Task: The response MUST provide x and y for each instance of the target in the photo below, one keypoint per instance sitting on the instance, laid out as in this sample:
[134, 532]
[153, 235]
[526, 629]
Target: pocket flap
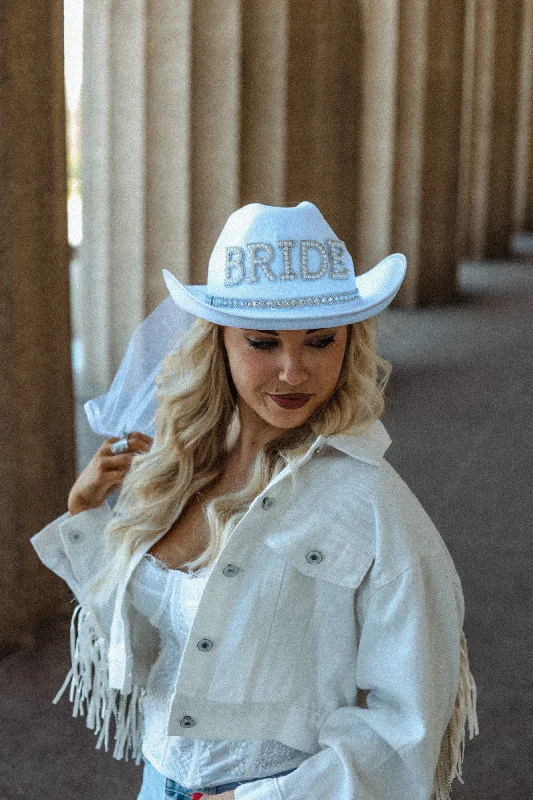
[327, 556]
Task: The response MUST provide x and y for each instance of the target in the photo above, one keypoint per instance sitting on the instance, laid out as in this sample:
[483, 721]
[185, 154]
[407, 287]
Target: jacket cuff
[60, 539]
[85, 522]
[47, 542]
[84, 541]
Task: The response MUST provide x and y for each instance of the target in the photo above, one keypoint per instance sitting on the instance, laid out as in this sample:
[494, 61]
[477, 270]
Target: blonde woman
[267, 613]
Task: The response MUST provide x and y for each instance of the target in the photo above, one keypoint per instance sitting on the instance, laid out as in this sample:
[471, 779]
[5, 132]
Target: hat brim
[377, 288]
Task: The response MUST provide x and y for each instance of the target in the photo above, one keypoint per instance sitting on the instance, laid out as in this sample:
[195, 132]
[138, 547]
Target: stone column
[113, 185]
[372, 172]
[168, 144]
[524, 157]
[502, 171]
[490, 154]
[36, 404]
[426, 163]
[215, 125]
[264, 111]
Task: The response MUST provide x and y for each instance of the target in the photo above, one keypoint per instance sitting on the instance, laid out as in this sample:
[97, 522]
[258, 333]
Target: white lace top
[169, 599]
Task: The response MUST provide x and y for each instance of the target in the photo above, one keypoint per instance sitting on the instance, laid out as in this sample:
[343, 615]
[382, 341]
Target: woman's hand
[105, 472]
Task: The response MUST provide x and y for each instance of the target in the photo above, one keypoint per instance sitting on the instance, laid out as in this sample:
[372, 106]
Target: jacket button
[314, 557]
[230, 570]
[318, 451]
[187, 722]
[75, 536]
[268, 502]
[204, 644]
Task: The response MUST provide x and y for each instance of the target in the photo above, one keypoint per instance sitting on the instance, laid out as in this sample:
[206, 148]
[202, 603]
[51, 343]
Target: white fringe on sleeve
[91, 695]
[464, 715]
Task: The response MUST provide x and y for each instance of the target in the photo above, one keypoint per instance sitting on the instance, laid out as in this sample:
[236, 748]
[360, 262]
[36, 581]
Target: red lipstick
[290, 400]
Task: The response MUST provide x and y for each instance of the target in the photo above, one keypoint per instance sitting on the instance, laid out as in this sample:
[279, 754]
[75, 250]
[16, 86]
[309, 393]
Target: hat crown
[279, 252]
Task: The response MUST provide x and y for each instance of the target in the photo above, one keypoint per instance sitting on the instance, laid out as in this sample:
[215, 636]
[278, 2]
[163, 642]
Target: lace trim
[164, 566]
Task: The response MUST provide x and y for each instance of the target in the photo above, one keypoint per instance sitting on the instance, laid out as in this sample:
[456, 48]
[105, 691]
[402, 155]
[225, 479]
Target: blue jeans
[156, 787]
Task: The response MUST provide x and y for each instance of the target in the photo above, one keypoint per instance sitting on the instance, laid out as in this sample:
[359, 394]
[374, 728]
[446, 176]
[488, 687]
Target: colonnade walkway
[460, 413]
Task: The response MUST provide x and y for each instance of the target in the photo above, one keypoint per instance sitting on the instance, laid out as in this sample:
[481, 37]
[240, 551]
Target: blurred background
[130, 130]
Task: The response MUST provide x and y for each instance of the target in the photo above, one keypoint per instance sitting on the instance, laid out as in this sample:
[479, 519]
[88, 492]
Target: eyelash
[270, 344]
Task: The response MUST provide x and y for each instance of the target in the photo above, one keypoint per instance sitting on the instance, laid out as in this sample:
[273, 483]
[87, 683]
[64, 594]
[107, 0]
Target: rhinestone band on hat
[288, 302]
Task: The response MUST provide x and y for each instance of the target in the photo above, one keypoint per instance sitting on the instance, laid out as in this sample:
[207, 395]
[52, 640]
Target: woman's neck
[254, 434]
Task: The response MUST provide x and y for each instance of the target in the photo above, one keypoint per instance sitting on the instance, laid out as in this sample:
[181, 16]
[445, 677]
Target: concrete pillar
[426, 162]
[523, 218]
[376, 41]
[473, 157]
[502, 174]
[36, 406]
[490, 156]
[113, 185]
[168, 144]
[264, 112]
[320, 111]
[215, 125]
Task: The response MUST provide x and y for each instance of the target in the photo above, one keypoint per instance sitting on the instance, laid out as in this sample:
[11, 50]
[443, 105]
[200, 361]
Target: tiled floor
[460, 411]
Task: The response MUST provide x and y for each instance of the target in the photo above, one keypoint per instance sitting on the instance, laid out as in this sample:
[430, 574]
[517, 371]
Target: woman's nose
[292, 370]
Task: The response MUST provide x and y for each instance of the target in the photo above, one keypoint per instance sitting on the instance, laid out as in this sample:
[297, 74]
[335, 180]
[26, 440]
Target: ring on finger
[121, 446]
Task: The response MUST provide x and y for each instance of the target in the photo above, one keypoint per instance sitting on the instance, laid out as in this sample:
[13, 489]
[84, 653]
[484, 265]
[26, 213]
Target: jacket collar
[369, 445]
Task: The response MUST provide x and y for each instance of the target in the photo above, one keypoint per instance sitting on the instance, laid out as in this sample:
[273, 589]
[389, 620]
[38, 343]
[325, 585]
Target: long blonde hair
[197, 402]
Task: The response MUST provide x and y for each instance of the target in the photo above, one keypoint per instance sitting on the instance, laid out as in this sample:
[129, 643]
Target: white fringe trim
[91, 695]
[464, 715]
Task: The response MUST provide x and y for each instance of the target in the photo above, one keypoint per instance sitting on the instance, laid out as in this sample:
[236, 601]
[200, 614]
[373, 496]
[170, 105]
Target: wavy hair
[197, 403]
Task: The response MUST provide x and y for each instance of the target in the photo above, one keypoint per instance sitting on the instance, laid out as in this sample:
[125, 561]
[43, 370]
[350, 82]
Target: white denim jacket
[331, 621]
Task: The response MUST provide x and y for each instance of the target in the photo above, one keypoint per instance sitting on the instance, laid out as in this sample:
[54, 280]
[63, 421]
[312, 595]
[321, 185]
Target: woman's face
[282, 377]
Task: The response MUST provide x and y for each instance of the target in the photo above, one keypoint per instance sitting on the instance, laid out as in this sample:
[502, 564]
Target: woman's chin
[286, 419]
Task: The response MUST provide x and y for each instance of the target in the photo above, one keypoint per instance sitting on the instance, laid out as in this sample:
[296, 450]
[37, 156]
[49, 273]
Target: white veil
[130, 403]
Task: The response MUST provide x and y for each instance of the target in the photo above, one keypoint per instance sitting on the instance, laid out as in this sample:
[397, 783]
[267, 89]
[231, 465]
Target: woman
[268, 613]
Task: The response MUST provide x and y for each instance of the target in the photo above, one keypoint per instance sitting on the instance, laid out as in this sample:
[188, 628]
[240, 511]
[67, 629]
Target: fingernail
[196, 796]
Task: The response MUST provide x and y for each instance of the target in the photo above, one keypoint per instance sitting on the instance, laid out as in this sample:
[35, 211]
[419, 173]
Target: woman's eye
[262, 344]
[320, 343]
[270, 344]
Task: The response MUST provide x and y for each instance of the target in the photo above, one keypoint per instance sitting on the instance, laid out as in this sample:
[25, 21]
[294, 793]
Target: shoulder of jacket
[405, 533]
[372, 507]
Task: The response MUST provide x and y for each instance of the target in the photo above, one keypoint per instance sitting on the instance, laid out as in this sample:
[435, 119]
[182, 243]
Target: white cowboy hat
[284, 268]
[271, 268]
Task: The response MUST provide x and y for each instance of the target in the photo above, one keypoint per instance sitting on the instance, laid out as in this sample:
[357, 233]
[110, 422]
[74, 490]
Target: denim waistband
[174, 791]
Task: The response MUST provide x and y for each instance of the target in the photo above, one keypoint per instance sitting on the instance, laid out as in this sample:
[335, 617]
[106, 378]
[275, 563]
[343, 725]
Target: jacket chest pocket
[326, 557]
[320, 573]
[313, 631]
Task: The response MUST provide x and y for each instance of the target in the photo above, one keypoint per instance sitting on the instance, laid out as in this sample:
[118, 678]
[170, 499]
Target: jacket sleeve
[74, 547]
[71, 546]
[408, 663]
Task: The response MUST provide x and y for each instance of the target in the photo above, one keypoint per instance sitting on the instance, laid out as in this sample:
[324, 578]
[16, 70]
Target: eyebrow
[275, 333]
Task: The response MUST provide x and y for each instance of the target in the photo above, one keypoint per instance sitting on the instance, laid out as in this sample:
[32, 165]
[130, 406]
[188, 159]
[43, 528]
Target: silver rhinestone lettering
[292, 302]
[234, 272]
[305, 273]
[260, 261]
[338, 267]
[288, 273]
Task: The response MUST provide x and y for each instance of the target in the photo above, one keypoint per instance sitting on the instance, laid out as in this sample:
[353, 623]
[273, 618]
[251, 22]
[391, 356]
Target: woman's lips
[290, 400]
